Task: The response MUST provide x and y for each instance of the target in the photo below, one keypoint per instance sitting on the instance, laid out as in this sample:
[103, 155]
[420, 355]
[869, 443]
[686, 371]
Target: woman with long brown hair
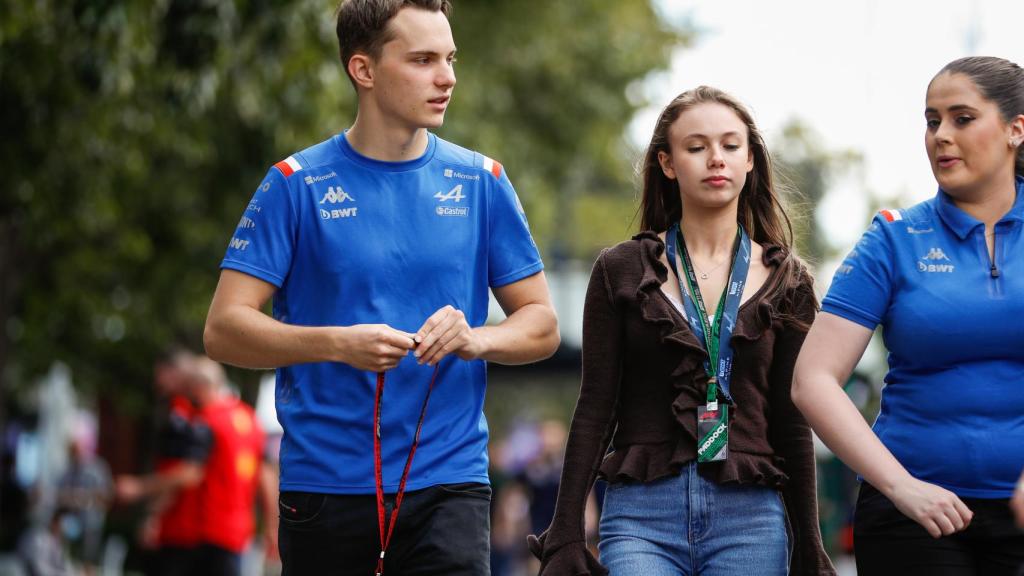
[690, 333]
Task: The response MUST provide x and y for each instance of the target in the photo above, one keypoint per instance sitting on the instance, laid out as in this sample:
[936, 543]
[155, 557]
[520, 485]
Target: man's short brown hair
[362, 25]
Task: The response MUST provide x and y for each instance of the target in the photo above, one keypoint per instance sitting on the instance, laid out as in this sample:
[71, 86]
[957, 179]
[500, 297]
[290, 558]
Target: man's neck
[381, 140]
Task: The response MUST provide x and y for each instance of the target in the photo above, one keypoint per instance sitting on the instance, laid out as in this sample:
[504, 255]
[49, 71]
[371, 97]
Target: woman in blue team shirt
[945, 279]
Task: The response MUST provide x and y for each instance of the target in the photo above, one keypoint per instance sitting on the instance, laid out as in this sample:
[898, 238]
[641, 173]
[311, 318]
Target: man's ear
[360, 68]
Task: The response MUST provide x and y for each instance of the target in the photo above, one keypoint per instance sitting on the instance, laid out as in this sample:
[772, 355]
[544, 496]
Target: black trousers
[887, 542]
[203, 560]
[442, 530]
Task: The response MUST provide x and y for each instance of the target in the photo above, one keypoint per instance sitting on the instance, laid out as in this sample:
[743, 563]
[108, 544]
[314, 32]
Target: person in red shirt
[172, 524]
[233, 476]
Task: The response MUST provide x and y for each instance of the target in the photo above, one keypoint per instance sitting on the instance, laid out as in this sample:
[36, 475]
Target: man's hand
[128, 489]
[447, 332]
[374, 347]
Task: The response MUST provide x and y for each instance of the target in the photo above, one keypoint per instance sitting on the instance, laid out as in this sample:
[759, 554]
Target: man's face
[414, 75]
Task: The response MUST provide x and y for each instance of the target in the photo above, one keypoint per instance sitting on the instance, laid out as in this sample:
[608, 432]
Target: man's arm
[159, 484]
[239, 333]
[529, 332]
[267, 495]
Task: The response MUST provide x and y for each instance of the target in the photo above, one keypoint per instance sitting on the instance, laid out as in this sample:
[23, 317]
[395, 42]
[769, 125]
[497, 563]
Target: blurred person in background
[43, 549]
[85, 490]
[690, 333]
[234, 478]
[378, 247]
[945, 280]
[171, 526]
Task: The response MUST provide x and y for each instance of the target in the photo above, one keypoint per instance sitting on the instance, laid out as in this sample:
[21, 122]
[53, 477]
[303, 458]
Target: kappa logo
[453, 194]
[927, 263]
[335, 195]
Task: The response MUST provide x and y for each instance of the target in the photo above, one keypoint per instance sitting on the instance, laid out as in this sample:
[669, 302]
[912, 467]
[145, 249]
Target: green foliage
[135, 131]
[810, 170]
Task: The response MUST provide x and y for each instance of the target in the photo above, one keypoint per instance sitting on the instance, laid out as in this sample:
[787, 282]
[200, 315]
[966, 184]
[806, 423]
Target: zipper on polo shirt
[993, 269]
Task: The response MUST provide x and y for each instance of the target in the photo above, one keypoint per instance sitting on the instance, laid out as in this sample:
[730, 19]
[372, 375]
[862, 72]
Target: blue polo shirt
[349, 240]
[953, 406]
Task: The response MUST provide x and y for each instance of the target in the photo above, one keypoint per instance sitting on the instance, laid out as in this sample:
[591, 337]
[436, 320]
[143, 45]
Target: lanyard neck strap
[715, 334]
[378, 465]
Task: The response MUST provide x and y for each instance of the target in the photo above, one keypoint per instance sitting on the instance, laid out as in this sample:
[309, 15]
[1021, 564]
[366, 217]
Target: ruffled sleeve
[562, 548]
[792, 440]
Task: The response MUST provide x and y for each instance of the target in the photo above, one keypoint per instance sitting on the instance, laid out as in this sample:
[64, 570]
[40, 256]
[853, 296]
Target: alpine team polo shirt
[347, 240]
[953, 406]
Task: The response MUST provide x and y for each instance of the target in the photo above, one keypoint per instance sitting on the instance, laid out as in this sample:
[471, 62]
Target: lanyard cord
[712, 329]
[385, 539]
[716, 339]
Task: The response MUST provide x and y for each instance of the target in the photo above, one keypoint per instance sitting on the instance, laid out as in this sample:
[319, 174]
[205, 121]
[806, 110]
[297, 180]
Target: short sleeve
[264, 240]
[862, 287]
[511, 252]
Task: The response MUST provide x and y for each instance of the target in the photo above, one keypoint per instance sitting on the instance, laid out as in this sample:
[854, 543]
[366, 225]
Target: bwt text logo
[948, 268]
[335, 195]
[338, 213]
[239, 244]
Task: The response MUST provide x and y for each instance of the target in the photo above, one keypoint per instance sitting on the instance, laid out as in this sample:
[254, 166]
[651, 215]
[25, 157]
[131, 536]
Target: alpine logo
[453, 194]
[935, 254]
[335, 195]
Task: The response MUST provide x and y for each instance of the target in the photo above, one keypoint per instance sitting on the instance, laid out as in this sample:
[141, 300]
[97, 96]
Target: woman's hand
[1017, 502]
[938, 510]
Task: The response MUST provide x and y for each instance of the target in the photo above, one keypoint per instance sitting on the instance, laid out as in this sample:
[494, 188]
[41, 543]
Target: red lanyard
[378, 464]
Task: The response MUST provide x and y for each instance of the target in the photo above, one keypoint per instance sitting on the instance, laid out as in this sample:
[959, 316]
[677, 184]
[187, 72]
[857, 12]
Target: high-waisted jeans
[688, 525]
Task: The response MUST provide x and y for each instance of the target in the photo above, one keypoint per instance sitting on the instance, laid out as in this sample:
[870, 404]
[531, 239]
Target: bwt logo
[338, 213]
[239, 244]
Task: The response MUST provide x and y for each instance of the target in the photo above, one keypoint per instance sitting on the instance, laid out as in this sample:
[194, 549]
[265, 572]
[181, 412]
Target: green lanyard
[713, 330]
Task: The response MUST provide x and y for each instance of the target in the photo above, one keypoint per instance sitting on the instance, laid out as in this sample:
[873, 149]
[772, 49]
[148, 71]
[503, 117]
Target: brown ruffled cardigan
[643, 379]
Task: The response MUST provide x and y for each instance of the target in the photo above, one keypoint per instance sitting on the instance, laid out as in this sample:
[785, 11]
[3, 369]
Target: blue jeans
[688, 525]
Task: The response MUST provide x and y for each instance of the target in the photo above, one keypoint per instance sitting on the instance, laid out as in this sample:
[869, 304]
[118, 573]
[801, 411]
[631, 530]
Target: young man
[378, 247]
